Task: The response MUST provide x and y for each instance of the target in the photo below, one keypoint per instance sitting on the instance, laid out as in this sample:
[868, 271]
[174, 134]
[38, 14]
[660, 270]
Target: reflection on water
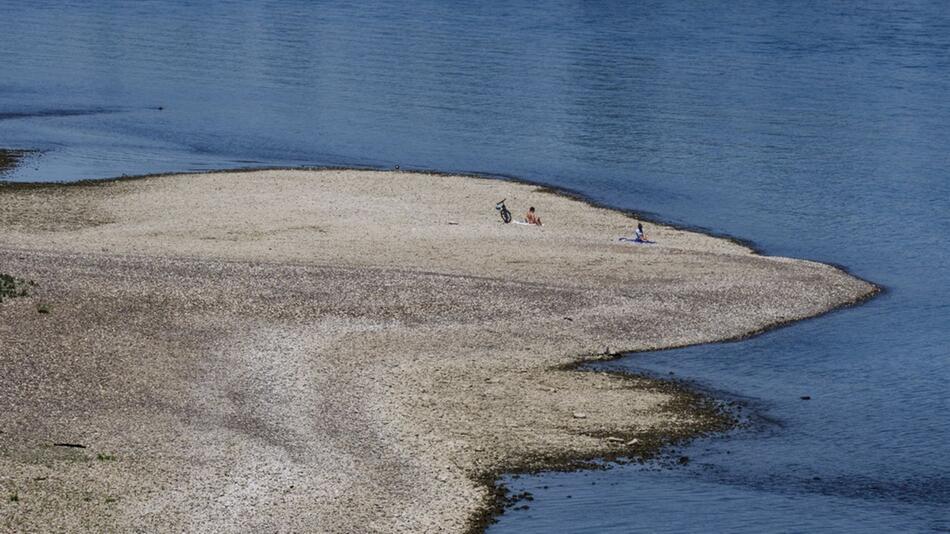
[819, 132]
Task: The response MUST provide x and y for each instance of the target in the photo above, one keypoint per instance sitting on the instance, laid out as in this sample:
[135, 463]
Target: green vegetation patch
[13, 287]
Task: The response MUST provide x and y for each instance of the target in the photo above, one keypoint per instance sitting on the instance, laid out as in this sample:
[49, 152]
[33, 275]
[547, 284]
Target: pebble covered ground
[341, 351]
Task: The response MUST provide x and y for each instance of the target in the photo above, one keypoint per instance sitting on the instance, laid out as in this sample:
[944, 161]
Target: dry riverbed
[341, 351]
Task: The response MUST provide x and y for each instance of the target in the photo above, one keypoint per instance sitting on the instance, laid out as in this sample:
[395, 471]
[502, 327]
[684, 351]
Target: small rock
[442, 478]
[805, 397]
[580, 415]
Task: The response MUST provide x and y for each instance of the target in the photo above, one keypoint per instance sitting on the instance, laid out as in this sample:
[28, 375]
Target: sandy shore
[340, 351]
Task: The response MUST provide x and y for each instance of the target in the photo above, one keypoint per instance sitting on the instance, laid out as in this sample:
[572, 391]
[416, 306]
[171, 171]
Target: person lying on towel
[638, 236]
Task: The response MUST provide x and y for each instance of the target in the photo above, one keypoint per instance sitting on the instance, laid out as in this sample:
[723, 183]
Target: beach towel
[638, 240]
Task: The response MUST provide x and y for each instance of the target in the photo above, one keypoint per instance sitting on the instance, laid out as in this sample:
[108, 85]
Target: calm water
[818, 130]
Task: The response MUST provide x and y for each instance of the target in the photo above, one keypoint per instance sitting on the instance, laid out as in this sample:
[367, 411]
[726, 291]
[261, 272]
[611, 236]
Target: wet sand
[339, 351]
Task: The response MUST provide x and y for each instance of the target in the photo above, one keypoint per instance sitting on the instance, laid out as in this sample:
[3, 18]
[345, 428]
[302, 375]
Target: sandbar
[342, 350]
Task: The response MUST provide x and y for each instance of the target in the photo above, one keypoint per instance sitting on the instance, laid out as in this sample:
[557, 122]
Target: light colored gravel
[338, 351]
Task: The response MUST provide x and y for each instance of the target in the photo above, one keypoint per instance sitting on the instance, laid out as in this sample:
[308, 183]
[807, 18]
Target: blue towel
[641, 241]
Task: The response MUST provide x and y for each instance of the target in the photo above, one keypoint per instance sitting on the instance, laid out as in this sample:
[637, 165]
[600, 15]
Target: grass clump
[14, 497]
[104, 457]
[13, 287]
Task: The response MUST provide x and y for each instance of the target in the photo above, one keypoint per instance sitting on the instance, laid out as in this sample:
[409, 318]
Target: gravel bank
[340, 351]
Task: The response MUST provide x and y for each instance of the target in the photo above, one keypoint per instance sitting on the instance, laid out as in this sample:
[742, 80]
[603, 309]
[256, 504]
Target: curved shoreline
[523, 459]
[556, 190]
[566, 192]
[695, 398]
[573, 194]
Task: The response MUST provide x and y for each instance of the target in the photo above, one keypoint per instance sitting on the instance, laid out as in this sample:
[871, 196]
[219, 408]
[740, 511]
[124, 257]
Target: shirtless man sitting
[531, 217]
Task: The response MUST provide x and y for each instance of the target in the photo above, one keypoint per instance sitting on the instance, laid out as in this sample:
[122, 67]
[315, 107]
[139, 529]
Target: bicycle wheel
[505, 215]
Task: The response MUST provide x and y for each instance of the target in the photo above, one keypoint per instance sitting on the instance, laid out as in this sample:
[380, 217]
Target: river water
[815, 129]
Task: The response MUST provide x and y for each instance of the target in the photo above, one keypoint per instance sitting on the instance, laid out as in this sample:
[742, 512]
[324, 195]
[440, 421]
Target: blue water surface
[818, 130]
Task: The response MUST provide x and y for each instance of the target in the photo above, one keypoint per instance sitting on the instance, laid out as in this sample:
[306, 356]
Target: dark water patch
[9, 159]
[45, 113]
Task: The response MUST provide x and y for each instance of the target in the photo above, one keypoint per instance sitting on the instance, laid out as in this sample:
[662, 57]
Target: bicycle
[505, 214]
